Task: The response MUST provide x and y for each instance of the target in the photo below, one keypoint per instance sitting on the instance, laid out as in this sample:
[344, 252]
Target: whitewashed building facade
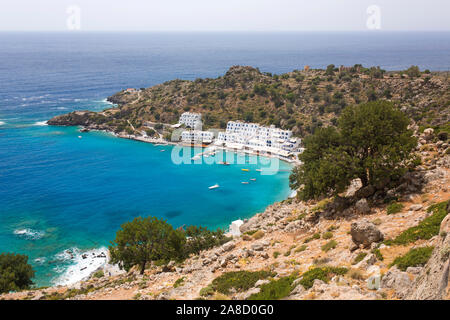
[191, 120]
[260, 138]
[197, 136]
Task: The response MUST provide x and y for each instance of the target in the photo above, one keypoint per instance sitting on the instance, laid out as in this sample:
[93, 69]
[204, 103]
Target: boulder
[228, 246]
[247, 294]
[414, 270]
[264, 255]
[397, 280]
[257, 247]
[415, 207]
[261, 282]
[365, 192]
[428, 134]
[368, 261]
[362, 206]
[365, 232]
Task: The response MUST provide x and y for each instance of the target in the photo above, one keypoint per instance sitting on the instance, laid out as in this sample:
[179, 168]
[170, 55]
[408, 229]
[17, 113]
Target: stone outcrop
[365, 233]
[433, 281]
[397, 280]
[362, 206]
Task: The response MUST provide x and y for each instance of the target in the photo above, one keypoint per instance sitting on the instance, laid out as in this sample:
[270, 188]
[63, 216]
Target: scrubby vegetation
[238, 280]
[327, 235]
[426, 229]
[275, 289]
[313, 237]
[359, 257]
[302, 101]
[258, 234]
[356, 274]
[179, 282]
[321, 273]
[301, 248]
[378, 254]
[329, 245]
[394, 207]
[414, 257]
[98, 274]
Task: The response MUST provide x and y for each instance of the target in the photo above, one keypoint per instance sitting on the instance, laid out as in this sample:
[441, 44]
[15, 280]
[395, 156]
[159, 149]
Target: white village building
[197, 136]
[242, 135]
[191, 120]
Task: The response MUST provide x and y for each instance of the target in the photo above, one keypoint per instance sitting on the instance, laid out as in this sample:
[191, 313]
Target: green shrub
[359, 257]
[207, 291]
[356, 274]
[258, 234]
[414, 257]
[137, 296]
[426, 229]
[329, 245]
[321, 273]
[301, 248]
[276, 254]
[98, 274]
[239, 280]
[394, 207]
[327, 235]
[314, 237]
[179, 282]
[275, 289]
[378, 254]
[301, 216]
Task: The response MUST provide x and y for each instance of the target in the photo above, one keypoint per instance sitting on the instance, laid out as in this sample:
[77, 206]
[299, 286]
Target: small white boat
[244, 182]
[79, 137]
[213, 187]
[253, 179]
[195, 158]
[259, 170]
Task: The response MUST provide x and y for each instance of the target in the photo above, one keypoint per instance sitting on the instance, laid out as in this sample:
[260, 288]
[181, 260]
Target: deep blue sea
[60, 192]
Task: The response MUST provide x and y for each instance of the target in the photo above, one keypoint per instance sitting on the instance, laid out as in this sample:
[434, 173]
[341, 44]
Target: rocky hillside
[389, 245]
[298, 100]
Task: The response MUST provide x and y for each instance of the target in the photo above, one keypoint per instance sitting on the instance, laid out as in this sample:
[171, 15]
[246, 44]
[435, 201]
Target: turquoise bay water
[68, 192]
[59, 192]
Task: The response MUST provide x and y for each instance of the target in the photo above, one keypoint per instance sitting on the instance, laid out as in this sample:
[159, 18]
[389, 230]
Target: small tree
[413, 72]
[372, 143]
[144, 240]
[330, 70]
[15, 272]
[200, 238]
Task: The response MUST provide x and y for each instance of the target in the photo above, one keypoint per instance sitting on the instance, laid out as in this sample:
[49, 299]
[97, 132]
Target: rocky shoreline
[293, 238]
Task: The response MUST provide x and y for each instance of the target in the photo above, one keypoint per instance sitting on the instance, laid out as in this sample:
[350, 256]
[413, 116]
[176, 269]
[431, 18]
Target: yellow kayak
[245, 170]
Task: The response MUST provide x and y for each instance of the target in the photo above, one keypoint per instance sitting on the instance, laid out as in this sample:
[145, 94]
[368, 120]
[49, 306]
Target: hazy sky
[224, 15]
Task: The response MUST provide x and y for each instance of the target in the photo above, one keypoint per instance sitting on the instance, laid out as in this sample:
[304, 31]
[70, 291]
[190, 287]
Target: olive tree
[371, 142]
